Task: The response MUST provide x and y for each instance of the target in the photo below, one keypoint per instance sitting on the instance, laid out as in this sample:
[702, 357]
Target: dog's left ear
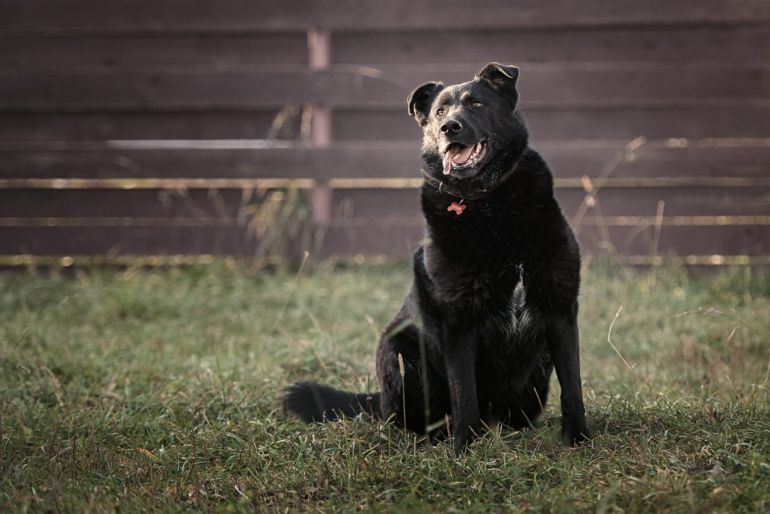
[502, 79]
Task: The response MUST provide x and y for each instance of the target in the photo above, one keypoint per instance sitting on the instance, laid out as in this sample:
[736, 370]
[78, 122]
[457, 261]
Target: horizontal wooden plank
[130, 51]
[113, 221]
[566, 44]
[677, 240]
[560, 44]
[395, 241]
[349, 238]
[144, 16]
[62, 126]
[624, 206]
[114, 203]
[692, 161]
[576, 84]
[205, 183]
[399, 241]
[65, 261]
[132, 240]
[98, 162]
[637, 202]
[724, 119]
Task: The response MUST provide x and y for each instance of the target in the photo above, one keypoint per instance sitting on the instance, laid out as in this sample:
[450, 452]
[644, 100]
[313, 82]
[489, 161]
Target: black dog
[494, 303]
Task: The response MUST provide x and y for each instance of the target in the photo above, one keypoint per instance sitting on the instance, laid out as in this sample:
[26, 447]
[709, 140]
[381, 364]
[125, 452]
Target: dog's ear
[502, 79]
[421, 99]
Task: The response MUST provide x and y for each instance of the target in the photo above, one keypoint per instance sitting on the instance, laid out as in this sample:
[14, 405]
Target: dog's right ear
[421, 99]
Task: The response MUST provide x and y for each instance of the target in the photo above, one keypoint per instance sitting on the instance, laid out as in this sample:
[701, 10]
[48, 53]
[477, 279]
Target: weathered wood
[265, 49]
[726, 240]
[123, 240]
[723, 119]
[116, 203]
[562, 44]
[400, 240]
[346, 239]
[699, 159]
[376, 204]
[580, 84]
[365, 205]
[145, 16]
[149, 125]
[661, 42]
[726, 119]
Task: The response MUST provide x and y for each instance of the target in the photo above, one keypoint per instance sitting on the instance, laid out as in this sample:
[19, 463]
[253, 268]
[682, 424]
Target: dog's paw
[461, 442]
[574, 432]
[463, 438]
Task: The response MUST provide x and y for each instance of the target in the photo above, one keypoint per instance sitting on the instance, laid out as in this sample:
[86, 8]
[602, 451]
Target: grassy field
[158, 390]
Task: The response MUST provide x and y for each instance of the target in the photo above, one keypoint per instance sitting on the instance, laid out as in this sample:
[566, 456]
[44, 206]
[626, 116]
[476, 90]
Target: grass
[158, 390]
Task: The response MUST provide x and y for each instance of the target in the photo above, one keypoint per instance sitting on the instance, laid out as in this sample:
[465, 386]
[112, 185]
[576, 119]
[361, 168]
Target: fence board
[40, 206]
[90, 126]
[145, 16]
[232, 206]
[123, 240]
[734, 118]
[583, 84]
[730, 119]
[657, 43]
[349, 239]
[690, 201]
[131, 51]
[398, 241]
[605, 44]
[115, 203]
[726, 119]
[699, 159]
[754, 240]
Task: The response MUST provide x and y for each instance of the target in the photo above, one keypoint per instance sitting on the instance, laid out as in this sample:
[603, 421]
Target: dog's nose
[451, 127]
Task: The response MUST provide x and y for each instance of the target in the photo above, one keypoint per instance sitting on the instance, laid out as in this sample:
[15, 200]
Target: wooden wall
[168, 130]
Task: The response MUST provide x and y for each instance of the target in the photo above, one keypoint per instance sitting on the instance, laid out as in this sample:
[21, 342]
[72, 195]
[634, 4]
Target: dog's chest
[471, 280]
[512, 320]
[489, 292]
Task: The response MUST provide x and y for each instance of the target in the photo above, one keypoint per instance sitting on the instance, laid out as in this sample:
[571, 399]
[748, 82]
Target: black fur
[493, 307]
[314, 402]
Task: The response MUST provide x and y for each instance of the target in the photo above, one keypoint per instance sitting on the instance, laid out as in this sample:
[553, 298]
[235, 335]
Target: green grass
[158, 390]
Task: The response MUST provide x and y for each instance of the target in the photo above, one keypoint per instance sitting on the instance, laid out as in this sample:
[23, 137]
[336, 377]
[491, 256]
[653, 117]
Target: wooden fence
[174, 130]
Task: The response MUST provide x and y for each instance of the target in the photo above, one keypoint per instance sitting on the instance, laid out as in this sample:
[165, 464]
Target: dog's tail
[313, 402]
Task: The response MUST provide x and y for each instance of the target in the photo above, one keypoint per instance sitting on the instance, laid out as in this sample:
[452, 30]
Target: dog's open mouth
[458, 157]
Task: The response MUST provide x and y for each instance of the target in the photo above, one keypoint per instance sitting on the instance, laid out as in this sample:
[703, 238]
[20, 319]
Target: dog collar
[470, 193]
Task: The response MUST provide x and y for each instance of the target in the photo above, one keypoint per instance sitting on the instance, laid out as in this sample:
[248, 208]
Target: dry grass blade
[609, 339]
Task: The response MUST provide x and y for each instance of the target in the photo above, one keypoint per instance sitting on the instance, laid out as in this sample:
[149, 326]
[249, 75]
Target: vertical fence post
[319, 58]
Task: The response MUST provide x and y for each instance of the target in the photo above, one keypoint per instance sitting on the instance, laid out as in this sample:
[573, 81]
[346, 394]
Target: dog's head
[465, 126]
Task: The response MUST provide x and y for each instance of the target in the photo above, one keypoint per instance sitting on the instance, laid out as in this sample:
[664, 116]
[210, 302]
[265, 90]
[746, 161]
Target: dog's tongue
[456, 155]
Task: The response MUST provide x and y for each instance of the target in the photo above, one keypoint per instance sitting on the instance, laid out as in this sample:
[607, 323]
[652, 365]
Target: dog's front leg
[460, 360]
[565, 352]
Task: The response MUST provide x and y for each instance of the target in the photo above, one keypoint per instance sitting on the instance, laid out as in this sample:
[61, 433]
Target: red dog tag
[456, 207]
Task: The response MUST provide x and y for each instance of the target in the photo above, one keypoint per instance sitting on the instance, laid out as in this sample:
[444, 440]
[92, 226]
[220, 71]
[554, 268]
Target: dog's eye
[440, 112]
[476, 104]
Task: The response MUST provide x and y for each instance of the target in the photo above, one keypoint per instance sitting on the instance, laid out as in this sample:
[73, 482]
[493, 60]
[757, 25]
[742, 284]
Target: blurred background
[138, 131]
